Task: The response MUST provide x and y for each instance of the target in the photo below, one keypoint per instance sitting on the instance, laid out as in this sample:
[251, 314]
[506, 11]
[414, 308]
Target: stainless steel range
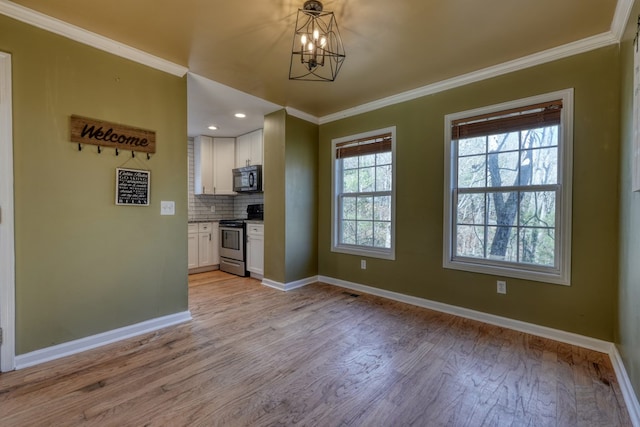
[232, 241]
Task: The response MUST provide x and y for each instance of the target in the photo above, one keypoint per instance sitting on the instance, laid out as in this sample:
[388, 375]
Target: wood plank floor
[317, 356]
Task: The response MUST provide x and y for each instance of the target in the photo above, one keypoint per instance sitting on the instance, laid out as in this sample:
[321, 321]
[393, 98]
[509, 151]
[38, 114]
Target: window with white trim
[363, 201]
[508, 189]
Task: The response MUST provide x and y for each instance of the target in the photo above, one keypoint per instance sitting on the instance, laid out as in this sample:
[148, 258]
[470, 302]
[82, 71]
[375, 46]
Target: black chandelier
[317, 53]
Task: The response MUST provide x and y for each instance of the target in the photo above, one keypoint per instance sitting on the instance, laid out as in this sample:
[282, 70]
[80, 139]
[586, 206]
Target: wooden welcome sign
[105, 134]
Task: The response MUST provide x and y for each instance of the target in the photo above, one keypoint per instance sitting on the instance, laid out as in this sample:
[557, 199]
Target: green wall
[274, 196]
[84, 265]
[628, 325]
[587, 306]
[302, 199]
[291, 198]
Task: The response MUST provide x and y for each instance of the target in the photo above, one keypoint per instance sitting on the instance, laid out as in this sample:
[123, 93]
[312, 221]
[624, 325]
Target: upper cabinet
[249, 149]
[213, 158]
[203, 165]
[224, 154]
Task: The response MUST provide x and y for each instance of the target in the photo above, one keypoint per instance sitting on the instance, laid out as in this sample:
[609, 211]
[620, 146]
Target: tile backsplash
[226, 207]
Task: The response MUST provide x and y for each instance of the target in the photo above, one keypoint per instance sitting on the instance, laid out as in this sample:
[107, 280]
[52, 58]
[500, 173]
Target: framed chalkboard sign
[132, 187]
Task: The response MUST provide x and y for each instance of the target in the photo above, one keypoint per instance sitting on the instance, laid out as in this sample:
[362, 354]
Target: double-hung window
[363, 202]
[508, 189]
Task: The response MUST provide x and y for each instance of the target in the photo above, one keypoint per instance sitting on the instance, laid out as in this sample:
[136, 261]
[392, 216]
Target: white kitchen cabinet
[224, 155]
[213, 161]
[215, 243]
[249, 149]
[203, 165]
[204, 253]
[192, 246]
[255, 249]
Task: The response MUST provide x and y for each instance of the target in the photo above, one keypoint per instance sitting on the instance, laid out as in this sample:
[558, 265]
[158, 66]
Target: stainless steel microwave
[247, 179]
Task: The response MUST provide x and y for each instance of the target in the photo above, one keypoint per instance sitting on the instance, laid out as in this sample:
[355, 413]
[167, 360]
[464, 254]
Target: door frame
[7, 243]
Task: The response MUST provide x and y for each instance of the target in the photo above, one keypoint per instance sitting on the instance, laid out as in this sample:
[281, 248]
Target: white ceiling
[212, 103]
[242, 50]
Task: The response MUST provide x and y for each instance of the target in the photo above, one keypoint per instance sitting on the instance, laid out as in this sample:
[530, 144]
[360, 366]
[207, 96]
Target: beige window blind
[360, 147]
[529, 117]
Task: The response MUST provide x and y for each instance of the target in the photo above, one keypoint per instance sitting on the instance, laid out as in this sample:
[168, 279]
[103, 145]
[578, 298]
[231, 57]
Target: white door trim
[7, 248]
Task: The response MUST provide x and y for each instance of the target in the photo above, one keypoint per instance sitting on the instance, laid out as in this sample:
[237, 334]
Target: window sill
[361, 251]
[507, 271]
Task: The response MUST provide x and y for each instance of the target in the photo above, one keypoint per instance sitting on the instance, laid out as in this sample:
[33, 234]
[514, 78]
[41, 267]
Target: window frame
[558, 275]
[336, 181]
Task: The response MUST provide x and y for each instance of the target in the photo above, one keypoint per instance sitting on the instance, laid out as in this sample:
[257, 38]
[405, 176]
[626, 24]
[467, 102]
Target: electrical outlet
[363, 264]
[502, 287]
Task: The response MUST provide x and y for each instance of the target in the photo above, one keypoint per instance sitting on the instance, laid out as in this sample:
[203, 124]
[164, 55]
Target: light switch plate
[167, 207]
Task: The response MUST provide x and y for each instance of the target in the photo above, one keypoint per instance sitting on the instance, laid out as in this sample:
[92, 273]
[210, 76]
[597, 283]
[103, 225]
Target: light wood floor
[317, 356]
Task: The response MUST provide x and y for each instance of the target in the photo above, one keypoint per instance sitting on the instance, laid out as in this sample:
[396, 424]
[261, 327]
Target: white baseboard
[607, 347]
[291, 285]
[628, 392]
[529, 328]
[93, 341]
[83, 344]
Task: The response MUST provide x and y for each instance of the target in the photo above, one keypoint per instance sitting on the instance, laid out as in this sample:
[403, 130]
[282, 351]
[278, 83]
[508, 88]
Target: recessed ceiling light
[241, 115]
[212, 127]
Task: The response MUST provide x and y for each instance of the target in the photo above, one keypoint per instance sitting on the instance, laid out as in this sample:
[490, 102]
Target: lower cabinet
[192, 247]
[204, 254]
[255, 249]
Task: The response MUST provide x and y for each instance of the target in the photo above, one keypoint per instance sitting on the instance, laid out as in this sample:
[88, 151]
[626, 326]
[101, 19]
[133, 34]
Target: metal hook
[117, 152]
[79, 147]
[133, 154]
[148, 156]
[99, 150]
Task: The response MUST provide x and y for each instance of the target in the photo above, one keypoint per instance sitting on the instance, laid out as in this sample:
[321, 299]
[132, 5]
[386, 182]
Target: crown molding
[302, 115]
[80, 35]
[620, 18]
[580, 46]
